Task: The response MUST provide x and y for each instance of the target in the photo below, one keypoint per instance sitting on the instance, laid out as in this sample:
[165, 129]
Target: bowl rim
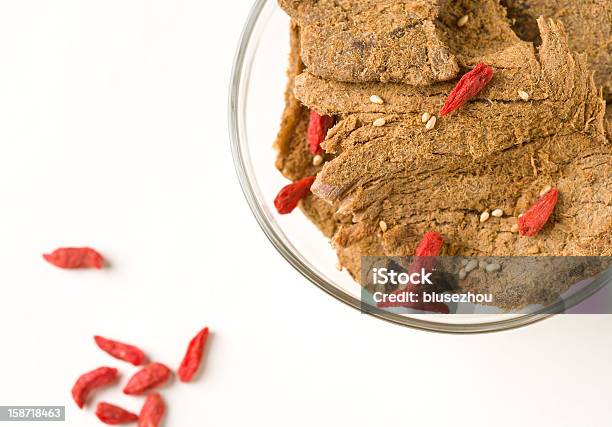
[236, 87]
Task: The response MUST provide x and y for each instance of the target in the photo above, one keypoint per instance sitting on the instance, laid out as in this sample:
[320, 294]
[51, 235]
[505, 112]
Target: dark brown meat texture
[372, 40]
[497, 152]
[587, 22]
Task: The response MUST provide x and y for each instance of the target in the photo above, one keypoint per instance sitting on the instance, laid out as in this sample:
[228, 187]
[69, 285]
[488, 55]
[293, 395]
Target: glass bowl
[256, 103]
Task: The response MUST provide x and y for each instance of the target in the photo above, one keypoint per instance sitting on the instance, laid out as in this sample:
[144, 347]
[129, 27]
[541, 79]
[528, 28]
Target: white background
[113, 134]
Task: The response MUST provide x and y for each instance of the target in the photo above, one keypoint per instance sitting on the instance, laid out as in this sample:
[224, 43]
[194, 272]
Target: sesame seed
[462, 21]
[545, 190]
[497, 213]
[375, 99]
[515, 228]
[471, 265]
[425, 117]
[493, 267]
[431, 123]
[521, 215]
[482, 264]
[523, 95]
[484, 216]
[383, 226]
[317, 160]
[462, 274]
[379, 122]
[532, 250]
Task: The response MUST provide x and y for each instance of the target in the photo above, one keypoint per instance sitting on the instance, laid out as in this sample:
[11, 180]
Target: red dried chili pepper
[91, 380]
[193, 357]
[147, 378]
[317, 131]
[111, 414]
[290, 195]
[75, 258]
[469, 86]
[152, 411]
[538, 215]
[121, 351]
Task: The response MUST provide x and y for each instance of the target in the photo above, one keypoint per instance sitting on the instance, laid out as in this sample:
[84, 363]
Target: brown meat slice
[574, 157]
[587, 22]
[486, 37]
[487, 23]
[486, 32]
[372, 40]
[496, 152]
[294, 160]
[609, 122]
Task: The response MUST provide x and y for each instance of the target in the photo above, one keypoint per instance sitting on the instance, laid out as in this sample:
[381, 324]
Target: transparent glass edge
[235, 90]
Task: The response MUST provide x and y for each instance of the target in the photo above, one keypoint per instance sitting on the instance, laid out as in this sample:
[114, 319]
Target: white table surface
[113, 134]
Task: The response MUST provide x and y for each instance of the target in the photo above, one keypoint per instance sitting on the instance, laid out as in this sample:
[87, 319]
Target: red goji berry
[121, 351]
[424, 259]
[193, 357]
[425, 253]
[147, 378]
[290, 195]
[75, 258]
[317, 131]
[538, 215]
[91, 380]
[430, 245]
[111, 414]
[469, 86]
[152, 411]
